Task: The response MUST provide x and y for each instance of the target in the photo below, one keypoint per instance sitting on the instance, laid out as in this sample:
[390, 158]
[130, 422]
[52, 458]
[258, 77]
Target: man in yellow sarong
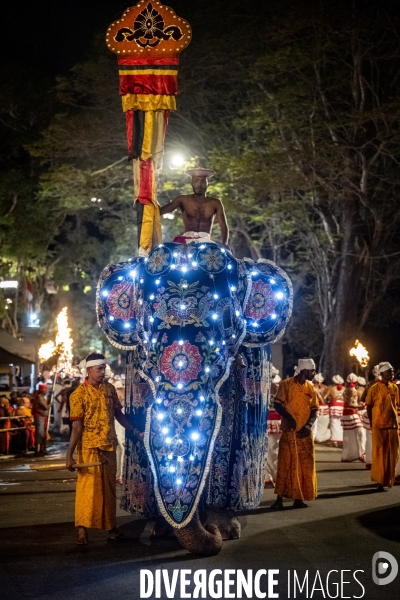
[93, 406]
[382, 402]
[297, 403]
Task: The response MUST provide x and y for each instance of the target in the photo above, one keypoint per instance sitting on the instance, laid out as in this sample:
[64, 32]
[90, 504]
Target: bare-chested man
[199, 210]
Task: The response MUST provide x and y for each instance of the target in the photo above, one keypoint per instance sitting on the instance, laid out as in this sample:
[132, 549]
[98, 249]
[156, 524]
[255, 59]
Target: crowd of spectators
[16, 424]
[24, 417]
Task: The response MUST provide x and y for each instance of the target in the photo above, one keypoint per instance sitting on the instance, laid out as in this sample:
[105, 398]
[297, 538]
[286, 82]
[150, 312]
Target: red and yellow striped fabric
[154, 76]
[148, 39]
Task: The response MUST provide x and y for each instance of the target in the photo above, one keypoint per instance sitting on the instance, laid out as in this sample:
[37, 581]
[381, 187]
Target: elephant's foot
[226, 521]
[206, 541]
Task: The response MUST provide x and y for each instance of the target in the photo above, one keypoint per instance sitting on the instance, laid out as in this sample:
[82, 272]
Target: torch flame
[63, 345]
[64, 340]
[46, 351]
[361, 353]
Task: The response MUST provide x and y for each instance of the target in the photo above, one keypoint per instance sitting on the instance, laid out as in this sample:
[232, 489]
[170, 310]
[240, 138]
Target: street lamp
[177, 161]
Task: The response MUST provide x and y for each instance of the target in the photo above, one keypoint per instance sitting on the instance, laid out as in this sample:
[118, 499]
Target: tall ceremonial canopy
[148, 40]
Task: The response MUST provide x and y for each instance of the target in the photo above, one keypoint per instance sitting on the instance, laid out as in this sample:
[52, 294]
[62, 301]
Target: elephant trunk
[198, 540]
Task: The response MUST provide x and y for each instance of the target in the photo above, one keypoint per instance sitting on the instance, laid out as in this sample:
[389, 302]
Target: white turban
[274, 371]
[337, 379]
[375, 370]
[352, 377]
[319, 378]
[304, 364]
[384, 366]
[361, 381]
[84, 364]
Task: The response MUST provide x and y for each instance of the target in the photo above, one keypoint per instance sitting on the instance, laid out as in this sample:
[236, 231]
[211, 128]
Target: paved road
[340, 531]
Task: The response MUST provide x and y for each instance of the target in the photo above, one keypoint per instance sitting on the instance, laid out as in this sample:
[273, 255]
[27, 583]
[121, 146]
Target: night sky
[52, 36]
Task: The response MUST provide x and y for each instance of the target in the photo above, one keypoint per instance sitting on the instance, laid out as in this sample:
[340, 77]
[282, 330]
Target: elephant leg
[226, 521]
[160, 528]
[199, 540]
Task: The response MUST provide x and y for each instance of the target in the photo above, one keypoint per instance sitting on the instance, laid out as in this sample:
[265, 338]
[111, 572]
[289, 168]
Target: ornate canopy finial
[149, 29]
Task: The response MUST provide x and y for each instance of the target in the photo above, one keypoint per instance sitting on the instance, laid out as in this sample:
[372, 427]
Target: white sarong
[353, 436]
[322, 433]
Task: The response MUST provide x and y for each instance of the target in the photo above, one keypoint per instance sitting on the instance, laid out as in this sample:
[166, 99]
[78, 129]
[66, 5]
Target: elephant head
[186, 311]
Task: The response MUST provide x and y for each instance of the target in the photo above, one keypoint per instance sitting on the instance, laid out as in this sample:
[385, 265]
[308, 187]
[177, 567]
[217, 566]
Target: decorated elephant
[196, 324]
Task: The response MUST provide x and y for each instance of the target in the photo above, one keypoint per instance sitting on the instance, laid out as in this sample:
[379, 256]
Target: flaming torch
[62, 347]
[46, 351]
[64, 340]
[361, 354]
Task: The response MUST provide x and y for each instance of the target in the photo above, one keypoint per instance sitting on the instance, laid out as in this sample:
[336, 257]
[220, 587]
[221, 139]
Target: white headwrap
[337, 379]
[84, 364]
[375, 370]
[384, 366]
[274, 371]
[304, 363]
[319, 378]
[352, 377]
[361, 381]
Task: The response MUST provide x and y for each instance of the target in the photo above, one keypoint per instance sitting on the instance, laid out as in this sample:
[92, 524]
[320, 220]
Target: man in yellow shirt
[382, 402]
[93, 406]
[297, 403]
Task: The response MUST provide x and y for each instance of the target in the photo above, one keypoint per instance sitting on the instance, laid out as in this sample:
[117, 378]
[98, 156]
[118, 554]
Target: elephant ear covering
[192, 298]
[269, 305]
[120, 306]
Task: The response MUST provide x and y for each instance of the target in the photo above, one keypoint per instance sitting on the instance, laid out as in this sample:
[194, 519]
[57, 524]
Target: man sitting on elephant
[199, 210]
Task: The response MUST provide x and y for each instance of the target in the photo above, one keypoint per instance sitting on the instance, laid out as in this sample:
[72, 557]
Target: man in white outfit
[336, 403]
[353, 430]
[321, 430]
[274, 433]
[120, 431]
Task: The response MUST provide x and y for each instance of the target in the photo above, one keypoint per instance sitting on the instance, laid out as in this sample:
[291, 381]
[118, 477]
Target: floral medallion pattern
[269, 307]
[121, 301]
[211, 258]
[148, 29]
[158, 261]
[262, 301]
[181, 363]
[180, 445]
[181, 410]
